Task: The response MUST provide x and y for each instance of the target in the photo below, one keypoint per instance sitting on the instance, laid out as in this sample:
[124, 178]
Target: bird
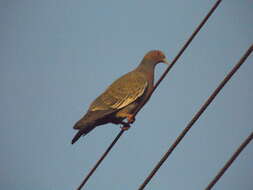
[122, 98]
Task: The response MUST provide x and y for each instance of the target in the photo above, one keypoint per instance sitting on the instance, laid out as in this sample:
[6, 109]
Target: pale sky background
[57, 56]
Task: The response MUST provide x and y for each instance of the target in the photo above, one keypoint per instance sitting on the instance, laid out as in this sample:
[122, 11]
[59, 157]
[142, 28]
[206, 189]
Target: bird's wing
[122, 92]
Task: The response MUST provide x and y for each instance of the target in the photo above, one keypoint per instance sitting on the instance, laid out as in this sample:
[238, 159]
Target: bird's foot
[130, 118]
[125, 126]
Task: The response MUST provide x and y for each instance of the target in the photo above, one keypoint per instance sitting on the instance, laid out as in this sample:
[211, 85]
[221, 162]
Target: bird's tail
[84, 128]
[89, 121]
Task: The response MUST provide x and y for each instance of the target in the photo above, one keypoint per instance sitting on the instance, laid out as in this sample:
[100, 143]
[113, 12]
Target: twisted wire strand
[196, 117]
[229, 162]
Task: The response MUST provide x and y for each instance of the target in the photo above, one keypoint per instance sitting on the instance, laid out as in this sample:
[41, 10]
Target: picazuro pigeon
[122, 98]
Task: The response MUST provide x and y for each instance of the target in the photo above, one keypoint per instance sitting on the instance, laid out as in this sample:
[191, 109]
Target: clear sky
[57, 56]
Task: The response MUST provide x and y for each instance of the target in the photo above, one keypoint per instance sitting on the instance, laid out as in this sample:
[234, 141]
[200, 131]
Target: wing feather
[122, 92]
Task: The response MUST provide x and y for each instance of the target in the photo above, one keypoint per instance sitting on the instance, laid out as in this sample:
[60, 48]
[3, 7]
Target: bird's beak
[165, 61]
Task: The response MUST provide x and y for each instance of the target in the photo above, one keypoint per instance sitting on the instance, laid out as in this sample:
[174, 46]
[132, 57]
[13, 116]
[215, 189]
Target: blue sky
[57, 56]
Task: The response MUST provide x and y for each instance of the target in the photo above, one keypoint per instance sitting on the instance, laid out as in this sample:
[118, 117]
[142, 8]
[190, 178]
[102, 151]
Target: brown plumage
[122, 97]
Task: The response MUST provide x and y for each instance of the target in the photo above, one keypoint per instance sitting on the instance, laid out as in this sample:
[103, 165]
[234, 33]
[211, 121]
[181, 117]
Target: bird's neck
[146, 66]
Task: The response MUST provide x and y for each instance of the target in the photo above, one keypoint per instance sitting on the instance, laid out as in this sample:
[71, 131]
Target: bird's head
[155, 56]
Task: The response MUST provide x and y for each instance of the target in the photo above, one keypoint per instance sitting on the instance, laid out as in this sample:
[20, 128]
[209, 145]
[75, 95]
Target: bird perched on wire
[122, 98]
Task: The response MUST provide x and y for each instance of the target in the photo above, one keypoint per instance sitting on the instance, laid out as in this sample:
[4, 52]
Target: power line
[100, 160]
[183, 49]
[229, 162]
[196, 117]
[240, 148]
[156, 85]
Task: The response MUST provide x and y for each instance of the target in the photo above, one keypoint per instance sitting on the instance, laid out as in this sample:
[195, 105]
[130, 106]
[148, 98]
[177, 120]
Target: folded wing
[122, 92]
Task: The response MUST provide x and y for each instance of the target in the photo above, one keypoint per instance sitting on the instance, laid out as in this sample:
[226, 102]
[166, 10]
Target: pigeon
[122, 98]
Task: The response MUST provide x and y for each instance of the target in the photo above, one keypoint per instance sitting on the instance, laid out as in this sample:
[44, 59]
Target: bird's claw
[130, 118]
[125, 126]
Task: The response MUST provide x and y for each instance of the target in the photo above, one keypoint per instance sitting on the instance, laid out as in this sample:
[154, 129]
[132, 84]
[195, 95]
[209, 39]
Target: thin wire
[195, 118]
[230, 161]
[181, 51]
[100, 160]
[156, 85]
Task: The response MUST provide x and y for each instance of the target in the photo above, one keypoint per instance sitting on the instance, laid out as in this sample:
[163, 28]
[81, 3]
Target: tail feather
[81, 132]
[84, 126]
[89, 121]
